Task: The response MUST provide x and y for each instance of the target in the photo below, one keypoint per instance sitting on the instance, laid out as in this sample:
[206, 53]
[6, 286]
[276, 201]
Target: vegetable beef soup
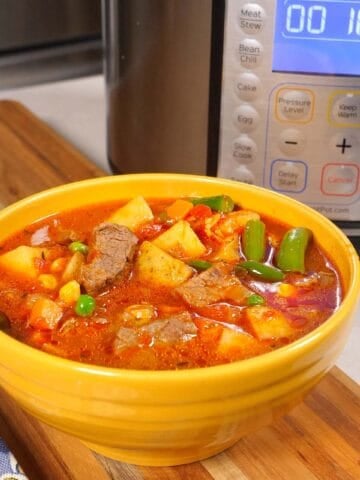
[163, 283]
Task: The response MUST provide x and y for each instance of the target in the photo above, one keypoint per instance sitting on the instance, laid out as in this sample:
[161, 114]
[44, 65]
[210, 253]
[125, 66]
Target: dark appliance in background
[264, 92]
[47, 40]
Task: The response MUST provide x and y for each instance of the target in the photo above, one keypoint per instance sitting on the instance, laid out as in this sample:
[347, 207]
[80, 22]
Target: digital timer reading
[317, 37]
[322, 20]
[354, 20]
[297, 15]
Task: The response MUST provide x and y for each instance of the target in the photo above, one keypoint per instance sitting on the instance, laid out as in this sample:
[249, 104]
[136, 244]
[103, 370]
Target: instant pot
[264, 92]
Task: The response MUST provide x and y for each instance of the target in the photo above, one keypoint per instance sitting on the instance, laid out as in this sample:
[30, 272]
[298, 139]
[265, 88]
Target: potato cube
[133, 214]
[234, 221]
[228, 251]
[267, 323]
[180, 241]
[73, 268]
[232, 341]
[157, 267]
[22, 260]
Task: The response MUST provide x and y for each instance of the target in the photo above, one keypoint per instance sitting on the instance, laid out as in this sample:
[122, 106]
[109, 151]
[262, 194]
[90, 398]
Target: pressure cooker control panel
[290, 111]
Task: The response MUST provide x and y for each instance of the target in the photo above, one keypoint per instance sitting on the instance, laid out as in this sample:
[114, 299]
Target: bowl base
[158, 457]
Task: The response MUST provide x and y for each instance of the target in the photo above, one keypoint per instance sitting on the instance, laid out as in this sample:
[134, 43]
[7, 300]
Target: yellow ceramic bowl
[174, 417]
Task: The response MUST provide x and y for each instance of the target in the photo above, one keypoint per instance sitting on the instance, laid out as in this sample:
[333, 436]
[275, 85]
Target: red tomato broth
[91, 339]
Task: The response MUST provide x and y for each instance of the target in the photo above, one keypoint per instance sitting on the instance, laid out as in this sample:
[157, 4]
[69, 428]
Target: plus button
[344, 145]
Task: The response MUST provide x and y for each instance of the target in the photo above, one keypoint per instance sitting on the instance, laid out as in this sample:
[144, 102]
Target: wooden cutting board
[320, 439]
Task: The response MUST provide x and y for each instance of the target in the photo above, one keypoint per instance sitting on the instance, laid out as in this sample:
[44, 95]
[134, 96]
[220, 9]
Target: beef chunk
[170, 330]
[114, 247]
[217, 283]
[125, 337]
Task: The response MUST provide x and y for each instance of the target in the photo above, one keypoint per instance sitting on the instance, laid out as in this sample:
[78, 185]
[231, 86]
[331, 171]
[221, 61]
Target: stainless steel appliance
[264, 92]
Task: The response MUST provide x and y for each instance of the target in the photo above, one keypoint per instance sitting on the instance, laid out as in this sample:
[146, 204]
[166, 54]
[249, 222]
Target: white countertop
[76, 109]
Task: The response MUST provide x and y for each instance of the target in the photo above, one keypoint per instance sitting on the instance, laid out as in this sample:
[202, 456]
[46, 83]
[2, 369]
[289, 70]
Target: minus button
[291, 141]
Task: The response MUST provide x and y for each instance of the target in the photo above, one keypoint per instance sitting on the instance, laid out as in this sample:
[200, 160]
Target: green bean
[253, 240]
[200, 265]
[291, 254]
[255, 299]
[219, 203]
[260, 270]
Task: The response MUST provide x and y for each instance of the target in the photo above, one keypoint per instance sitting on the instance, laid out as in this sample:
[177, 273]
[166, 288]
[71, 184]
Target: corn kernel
[58, 265]
[286, 290]
[70, 292]
[48, 281]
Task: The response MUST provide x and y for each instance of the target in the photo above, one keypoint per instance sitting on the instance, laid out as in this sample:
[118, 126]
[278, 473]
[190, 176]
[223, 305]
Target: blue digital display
[317, 37]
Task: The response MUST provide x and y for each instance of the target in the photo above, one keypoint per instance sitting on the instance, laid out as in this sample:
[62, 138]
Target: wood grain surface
[320, 439]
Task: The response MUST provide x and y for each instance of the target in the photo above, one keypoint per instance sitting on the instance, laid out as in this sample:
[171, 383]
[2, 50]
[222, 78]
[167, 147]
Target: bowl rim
[287, 353]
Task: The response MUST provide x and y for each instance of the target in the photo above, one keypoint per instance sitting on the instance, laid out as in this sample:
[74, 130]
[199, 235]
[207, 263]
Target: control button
[296, 105]
[292, 141]
[345, 109]
[247, 86]
[244, 149]
[251, 18]
[288, 176]
[344, 146]
[340, 179]
[242, 174]
[250, 53]
[246, 118]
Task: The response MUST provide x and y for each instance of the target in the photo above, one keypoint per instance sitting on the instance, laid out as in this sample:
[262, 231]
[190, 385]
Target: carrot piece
[179, 209]
[45, 314]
